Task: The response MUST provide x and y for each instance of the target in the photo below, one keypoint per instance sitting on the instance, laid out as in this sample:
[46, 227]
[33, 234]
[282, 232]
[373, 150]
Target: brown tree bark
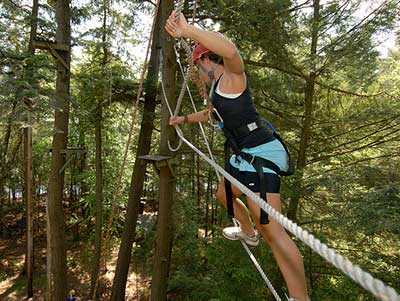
[28, 176]
[56, 223]
[163, 243]
[28, 198]
[138, 174]
[308, 116]
[99, 167]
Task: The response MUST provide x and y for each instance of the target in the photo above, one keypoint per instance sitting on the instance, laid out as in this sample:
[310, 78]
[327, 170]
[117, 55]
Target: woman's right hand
[176, 26]
[174, 120]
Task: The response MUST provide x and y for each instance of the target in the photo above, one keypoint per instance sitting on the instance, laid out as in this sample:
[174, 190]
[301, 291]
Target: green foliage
[348, 191]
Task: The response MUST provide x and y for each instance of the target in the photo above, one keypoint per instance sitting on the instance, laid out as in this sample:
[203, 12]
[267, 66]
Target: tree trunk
[56, 223]
[28, 176]
[4, 163]
[308, 115]
[163, 243]
[138, 175]
[99, 167]
[99, 205]
[28, 197]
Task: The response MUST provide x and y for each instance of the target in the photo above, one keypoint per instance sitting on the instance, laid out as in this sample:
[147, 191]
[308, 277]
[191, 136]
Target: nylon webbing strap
[263, 189]
[228, 185]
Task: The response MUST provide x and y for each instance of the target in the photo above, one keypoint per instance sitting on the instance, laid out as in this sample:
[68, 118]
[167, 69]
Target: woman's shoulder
[232, 82]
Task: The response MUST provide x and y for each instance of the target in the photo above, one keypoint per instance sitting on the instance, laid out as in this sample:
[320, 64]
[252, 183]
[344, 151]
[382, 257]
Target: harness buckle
[252, 126]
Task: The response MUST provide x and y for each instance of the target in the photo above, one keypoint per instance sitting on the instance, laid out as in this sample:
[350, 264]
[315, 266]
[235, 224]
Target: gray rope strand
[258, 267]
[366, 280]
[189, 54]
[186, 79]
[179, 7]
[200, 124]
[169, 107]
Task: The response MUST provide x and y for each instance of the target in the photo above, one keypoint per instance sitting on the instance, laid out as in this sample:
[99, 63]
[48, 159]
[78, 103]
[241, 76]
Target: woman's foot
[236, 233]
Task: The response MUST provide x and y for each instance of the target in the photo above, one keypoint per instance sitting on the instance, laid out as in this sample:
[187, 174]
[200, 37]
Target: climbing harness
[257, 162]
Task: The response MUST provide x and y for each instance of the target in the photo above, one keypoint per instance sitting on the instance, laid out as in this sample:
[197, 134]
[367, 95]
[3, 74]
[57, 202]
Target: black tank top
[240, 111]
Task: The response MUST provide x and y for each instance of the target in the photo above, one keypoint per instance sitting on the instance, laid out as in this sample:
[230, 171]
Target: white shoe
[236, 233]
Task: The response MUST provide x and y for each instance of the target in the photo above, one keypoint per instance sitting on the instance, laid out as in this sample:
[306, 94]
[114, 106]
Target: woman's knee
[271, 232]
[220, 195]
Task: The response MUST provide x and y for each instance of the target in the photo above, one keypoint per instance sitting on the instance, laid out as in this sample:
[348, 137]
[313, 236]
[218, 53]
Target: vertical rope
[189, 54]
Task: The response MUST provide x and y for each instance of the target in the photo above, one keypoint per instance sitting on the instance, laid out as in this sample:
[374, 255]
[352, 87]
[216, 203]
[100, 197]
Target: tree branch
[302, 76]
[378, 141]
[358, 139]
[266, 65]
[348, 92]
[356, 163]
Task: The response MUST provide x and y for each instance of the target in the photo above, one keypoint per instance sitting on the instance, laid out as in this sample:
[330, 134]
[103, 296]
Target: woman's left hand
[174, 120]
[176, 26]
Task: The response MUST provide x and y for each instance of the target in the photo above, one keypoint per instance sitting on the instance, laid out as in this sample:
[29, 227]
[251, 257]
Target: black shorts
[252, 181]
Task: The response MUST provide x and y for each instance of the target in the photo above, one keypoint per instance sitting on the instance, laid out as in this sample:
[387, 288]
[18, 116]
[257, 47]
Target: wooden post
[165, 223]
[49, 275]
[28, 196]
[162, 252]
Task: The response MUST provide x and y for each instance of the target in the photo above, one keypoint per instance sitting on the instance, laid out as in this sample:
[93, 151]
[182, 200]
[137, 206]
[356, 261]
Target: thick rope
[184, 44]
[366, 280]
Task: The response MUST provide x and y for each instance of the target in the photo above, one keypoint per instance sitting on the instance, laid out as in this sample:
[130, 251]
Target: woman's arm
[200, 116]
[214, 41]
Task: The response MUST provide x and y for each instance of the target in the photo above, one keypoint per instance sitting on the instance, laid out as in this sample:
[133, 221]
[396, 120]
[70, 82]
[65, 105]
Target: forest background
[116, 230]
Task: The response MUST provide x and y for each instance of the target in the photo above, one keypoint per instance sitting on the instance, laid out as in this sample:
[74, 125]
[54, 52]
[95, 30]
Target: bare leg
[240, 209]
[285, 251]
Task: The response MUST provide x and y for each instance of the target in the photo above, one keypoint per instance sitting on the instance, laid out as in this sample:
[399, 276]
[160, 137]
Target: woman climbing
[221, 66]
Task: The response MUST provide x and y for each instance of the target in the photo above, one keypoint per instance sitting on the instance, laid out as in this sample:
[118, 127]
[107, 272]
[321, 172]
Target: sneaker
[236, 233]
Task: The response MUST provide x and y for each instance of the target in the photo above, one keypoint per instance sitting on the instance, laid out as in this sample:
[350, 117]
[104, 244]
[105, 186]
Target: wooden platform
[158, 161]
[154, 158]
